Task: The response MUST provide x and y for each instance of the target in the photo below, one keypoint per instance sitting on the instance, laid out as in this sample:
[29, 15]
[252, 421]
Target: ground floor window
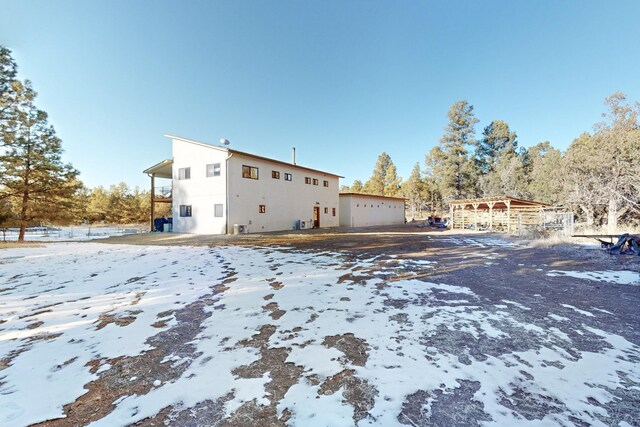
[262, 208]
[333, 211]
[217, 211]
[326, 210]
[185, 210]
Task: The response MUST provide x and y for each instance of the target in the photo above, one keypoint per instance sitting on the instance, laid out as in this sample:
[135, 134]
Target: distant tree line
[36, 185]
[597, 177]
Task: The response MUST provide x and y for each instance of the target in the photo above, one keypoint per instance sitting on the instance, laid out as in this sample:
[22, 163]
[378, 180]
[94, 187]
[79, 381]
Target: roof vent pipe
[293, 155]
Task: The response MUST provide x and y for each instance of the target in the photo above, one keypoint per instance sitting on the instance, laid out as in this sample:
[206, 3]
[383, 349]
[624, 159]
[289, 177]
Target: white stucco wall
[286, 202]
[364, 210]
[200, 192]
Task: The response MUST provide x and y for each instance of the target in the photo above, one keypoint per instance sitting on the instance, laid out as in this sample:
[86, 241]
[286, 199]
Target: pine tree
[357, 187]
[497, 140]
[8, 72]
[392, 182]
[618, 139]
[449, 163]
[384, 180]
[545, 183]
[414, 191]
[32, 173]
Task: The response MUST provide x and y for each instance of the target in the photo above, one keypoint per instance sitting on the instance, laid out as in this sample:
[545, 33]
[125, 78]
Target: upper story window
[185, 210]
[249, 172]
[275, 174]
[287, 176]
[315, 181]
[184, 173]
[213, 169]
[325, 183]
[262, 208]
[307, 180]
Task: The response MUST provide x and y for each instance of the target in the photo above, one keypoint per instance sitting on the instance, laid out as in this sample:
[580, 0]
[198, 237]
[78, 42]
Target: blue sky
[341, 81]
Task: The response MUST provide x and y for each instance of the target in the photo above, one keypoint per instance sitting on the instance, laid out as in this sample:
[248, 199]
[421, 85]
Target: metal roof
[499, 202]
[374, 196]
[161, 170]
[233, 151]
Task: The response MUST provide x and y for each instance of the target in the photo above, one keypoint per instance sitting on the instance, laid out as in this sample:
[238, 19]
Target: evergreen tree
[449, 164]
[414, 191]
[392, 182]
[8, 72]
[618, 139]
[602, 168]
[546, 184]
[357, 187]
[582, 183]
[32, 173]
[384, 180]
[497, 140]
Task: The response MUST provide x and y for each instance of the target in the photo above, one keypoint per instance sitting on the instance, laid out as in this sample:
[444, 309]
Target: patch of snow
[558, 318]
[586, 313]
[516, 304]
[621, 277]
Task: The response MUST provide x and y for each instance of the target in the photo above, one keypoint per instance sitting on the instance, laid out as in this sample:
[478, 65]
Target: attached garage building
[363, 210]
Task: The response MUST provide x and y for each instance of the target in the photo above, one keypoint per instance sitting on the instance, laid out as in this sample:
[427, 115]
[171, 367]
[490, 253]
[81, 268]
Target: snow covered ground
[321, 338]
[622, 277]
[44, 234]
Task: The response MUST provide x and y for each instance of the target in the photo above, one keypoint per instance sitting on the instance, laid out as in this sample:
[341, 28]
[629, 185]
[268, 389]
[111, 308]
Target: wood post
[475, 215]
[153, 192]
[451, 210]
[491, 204]
[508, 203]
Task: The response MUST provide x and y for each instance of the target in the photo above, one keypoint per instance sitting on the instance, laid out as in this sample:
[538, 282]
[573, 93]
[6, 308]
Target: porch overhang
[164, 169]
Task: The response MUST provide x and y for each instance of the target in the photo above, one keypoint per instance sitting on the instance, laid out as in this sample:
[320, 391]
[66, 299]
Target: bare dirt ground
[511, 277]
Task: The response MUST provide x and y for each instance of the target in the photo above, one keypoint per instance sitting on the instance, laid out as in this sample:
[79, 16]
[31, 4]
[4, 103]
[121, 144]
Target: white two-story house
[219, 190]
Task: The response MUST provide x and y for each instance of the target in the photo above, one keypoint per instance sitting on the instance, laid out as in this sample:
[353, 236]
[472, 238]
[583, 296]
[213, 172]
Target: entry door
[316, 217]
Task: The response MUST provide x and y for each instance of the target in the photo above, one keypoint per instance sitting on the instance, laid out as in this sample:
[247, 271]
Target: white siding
[285, 202]
[364, 211]
[200, 192]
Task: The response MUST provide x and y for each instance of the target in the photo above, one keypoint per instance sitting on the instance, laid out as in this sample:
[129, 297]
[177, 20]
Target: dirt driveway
[389, 326]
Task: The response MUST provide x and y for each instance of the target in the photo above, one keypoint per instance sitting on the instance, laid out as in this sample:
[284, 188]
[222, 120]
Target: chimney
[293, 155]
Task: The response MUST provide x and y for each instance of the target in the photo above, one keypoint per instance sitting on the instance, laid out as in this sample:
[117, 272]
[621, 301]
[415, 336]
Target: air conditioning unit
[240, 228]
[303, 224]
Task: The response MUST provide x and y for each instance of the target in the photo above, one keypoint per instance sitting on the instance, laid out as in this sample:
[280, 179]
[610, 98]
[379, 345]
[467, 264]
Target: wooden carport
[164, 169]
[501, 213]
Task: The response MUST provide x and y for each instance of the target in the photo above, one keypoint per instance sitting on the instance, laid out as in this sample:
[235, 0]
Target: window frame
[288, 176]
[315, 181]
[325, 183]
[186, 211]
[262, 209]
[215, 167]
[307, 180]
[333, 211]
[275, 174]
[184, 173]
[250, 170]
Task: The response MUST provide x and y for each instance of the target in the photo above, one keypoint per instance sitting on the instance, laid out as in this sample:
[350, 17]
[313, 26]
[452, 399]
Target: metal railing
[162, 192]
